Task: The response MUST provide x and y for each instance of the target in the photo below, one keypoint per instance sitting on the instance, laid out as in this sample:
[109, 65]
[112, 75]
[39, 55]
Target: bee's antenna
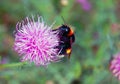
[63, 19]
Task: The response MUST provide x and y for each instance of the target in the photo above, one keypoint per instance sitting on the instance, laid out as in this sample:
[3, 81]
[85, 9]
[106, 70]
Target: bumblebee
[66, 39]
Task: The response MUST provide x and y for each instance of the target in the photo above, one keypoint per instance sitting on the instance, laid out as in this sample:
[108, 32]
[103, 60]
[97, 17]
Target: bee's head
[66, 30]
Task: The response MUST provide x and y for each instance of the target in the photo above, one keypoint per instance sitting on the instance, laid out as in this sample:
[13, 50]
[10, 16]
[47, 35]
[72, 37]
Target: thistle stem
[12, 65]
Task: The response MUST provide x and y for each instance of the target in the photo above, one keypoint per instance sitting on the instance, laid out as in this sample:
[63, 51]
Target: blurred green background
[96, 26]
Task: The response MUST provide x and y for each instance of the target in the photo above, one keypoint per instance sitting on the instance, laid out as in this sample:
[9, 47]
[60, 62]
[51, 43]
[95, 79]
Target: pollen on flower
[35, 41]
[115, 66]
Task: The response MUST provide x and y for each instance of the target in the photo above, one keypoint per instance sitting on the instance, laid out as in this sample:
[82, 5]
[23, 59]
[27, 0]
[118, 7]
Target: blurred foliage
[97, 39]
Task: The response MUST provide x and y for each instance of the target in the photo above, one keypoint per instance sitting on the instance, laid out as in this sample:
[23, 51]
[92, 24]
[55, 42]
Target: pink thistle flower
[36, 42]
[85, 4]
[115, 66]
